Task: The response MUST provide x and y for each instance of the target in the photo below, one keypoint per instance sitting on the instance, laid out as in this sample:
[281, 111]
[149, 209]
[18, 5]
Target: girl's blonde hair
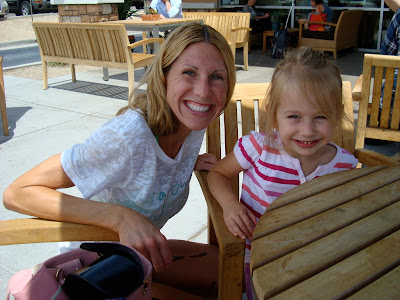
[310, 74]
[153, 102]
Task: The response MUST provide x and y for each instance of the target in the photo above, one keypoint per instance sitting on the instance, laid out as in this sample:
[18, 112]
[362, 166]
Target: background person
[321, 9]
[259, 21]
[168, 8]
[138, 165]
[304, 109]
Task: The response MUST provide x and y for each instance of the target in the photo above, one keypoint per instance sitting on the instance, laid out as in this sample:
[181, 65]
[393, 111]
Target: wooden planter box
[150, 17]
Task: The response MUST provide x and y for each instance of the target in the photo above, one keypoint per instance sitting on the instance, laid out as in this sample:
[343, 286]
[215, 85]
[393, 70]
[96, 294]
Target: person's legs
[194, 269]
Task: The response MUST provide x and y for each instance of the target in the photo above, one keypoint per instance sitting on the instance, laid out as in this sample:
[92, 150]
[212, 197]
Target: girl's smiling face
[304, 131]
[197, 86]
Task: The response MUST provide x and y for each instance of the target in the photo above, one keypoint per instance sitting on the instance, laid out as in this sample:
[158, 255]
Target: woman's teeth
[197, 107]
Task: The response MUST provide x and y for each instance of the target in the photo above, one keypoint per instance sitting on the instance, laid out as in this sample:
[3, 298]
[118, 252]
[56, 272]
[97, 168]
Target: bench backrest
[223, 22]
[82, 41]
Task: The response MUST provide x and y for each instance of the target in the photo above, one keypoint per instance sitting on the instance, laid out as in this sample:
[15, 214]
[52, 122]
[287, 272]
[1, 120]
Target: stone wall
[87, 13]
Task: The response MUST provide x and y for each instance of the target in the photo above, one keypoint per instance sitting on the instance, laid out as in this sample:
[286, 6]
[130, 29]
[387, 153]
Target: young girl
[304, 108]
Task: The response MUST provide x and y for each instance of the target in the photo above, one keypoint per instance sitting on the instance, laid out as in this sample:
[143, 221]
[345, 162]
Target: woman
[138, 165]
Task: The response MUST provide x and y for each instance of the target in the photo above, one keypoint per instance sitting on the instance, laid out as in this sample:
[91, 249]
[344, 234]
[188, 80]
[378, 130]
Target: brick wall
[87, 13]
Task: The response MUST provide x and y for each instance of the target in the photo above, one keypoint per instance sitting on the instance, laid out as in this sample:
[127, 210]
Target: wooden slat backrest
[384, 118]
[103, 42]
[223, 22]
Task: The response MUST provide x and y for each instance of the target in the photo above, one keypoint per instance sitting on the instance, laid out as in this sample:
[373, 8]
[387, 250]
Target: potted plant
[276, 17]
[125, 10]
[150, 13]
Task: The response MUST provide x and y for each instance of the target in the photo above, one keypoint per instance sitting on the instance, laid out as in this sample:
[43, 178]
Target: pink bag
[96, 271]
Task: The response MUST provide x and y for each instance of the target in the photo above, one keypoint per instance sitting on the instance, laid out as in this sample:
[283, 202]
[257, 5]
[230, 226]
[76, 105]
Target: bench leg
[45, 75]
[73, 73]
[246, 56]
[105, 74]
[3, 107]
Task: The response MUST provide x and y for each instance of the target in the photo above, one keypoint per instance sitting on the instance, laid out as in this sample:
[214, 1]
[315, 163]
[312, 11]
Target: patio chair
[3, 107]
[378, 120]
[344, 34]
[247, 99]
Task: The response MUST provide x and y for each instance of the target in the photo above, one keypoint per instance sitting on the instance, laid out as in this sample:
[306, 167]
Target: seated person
[259, 20]
[323, 32]
[168, 8]
[320, 8]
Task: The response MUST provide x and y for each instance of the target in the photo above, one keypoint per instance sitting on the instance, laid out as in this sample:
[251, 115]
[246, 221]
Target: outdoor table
[333, 237]
[155, 26]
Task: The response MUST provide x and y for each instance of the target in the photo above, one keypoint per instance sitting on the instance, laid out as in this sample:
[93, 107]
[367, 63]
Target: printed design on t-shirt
[173, 191]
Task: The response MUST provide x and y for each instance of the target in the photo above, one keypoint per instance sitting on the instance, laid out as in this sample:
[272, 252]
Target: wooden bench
[102, 45]
[235, 27]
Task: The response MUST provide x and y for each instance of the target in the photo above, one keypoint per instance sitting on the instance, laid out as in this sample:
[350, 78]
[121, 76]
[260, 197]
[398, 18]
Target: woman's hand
[205, 162]
[136, 231]
[239, 220]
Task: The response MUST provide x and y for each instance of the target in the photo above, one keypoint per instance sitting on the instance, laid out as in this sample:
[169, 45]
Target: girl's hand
[205, 162]
[136, 231]
[239, 220]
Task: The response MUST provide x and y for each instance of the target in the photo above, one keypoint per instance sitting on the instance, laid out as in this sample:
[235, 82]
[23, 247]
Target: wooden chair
[247, 99]
[3, 107]
[34, 230]
[377, 122]
[235, 28]
[344, 36]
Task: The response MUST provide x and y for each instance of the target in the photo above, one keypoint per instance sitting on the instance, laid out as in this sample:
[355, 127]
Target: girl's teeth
[198, 108]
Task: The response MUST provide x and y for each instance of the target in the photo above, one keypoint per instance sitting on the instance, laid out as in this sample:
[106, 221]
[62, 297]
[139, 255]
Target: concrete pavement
[43, 123]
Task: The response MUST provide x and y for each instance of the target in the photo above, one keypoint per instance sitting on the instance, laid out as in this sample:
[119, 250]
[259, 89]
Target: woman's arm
[238, 218]
[35, 193]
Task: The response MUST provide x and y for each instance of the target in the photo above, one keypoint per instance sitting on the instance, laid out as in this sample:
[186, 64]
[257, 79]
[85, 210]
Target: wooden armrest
[316, 22]
[240, 28]
[356, 93]
[145, 42]
[372, 158]
[35, 230]
[229, 245]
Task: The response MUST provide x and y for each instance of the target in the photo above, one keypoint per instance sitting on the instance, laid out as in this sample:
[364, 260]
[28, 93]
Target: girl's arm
[35, 193]
[239, 220]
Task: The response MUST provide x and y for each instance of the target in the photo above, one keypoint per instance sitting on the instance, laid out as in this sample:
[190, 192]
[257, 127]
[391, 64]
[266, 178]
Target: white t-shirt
[122, 163]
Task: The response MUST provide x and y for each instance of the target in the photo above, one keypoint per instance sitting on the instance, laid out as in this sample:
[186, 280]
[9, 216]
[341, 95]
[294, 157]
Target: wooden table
[155, 26]
[333, 237]
[269, 34]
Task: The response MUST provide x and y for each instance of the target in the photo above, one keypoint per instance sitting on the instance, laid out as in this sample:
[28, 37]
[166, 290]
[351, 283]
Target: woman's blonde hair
[153, 102]
[310, 74]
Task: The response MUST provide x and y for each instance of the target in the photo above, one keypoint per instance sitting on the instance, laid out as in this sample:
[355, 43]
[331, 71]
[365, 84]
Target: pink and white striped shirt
[269, 172]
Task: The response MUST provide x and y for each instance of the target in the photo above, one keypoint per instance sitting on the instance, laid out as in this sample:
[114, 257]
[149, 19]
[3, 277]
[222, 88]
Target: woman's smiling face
[197, 86]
